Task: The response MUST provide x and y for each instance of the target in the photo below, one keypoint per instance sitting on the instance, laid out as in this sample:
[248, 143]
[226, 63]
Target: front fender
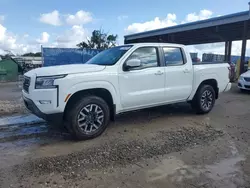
[93, 85]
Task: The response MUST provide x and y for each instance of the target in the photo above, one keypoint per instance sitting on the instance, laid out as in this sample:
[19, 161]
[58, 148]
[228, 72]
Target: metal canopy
[219, 29]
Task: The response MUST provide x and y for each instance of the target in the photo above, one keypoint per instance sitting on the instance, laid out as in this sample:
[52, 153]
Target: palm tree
[99, 40]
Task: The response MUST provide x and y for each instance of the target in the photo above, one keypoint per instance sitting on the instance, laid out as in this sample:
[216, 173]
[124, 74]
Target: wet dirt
[167, 146]
[11, 99]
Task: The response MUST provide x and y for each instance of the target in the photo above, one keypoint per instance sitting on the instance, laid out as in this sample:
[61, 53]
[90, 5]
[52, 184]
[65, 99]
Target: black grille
[247, 79]
[248, 87]
[26, 84]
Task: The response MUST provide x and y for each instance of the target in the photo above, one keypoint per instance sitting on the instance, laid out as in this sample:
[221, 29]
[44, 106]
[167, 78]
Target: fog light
[45, 102]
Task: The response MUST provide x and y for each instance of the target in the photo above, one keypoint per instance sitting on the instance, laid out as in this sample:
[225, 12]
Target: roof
[232, 21]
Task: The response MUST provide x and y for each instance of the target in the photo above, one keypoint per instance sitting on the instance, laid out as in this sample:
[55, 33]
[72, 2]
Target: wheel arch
[103, 93]
[212, 82]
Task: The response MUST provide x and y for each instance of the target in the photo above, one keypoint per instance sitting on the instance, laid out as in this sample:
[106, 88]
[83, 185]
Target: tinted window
[173, 56]
[147, 56]
[109, 56]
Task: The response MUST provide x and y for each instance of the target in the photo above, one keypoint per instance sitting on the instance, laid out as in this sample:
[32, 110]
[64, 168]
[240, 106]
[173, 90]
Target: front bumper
[54, 118]
[242, 84]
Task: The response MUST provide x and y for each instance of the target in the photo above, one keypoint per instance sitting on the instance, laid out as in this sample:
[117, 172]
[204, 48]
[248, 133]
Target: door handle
[186, 71]
[159, 73]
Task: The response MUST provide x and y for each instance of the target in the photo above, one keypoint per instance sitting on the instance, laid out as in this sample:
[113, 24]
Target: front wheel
[88, 117]
[204, 99]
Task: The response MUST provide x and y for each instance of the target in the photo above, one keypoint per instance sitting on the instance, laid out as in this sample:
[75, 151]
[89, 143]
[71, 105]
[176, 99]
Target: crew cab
[85, 97]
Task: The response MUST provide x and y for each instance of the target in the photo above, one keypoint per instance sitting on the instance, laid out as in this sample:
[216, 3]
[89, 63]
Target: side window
[147, 55]
[173, 56]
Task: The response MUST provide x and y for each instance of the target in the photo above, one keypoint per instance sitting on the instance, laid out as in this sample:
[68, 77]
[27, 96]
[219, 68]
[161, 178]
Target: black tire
[198, 102]
[72, 116]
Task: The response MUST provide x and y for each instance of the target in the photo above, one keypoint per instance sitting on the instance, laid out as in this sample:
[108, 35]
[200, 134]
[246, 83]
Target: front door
[142, 86]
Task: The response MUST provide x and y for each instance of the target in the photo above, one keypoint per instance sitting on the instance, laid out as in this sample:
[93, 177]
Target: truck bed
[205, 63]
[217, 70]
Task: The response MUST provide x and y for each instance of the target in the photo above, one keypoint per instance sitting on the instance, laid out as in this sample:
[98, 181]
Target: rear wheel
[88, 117]
[204, 99]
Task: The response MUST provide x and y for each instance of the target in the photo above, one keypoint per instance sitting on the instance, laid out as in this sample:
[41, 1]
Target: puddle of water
[225, 170]
[225, 173]
[19, 120]
[23, 131]
[16, 151]
[174, 169]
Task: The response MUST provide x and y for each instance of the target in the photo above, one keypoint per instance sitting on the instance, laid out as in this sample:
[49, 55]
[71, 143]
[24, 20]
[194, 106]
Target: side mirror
[133, 63]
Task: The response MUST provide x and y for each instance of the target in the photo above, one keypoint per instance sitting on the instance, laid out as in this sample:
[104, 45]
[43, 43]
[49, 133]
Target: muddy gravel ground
[167, 146]
[11, 99]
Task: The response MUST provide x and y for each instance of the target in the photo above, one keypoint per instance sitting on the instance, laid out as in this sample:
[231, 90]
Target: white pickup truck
[121, 79]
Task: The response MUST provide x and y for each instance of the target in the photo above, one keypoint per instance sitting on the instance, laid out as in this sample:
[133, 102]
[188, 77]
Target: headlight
[47, 82]
[241, 78]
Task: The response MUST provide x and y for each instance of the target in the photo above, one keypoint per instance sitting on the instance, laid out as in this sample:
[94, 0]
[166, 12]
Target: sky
[26, 25]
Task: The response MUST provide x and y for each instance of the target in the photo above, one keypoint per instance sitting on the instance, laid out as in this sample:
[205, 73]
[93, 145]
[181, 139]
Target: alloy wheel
[90, 118]
[207, 100]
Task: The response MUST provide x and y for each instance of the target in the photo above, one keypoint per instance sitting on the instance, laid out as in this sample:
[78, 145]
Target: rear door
[179, 74]
[145, 85]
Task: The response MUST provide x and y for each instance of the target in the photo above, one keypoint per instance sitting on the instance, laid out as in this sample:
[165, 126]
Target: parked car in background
[196, 60]
[244, 81]
[122, 79]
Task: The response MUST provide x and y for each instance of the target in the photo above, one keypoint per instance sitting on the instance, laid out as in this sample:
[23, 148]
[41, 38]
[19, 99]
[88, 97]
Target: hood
[246, 74]
[65, 69]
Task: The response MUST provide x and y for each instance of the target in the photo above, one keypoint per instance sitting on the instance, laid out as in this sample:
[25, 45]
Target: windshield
[109, 56]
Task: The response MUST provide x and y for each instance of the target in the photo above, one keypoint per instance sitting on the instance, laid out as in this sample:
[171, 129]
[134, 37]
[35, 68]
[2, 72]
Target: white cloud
[2, 32]
[79, 18]
[25, 43]
[52, 18]
[202, 15]
[44, 38]
[170, 20]
[122, 17]
[14, 43]
[72, 37]
[7, 41]
[157, 23]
